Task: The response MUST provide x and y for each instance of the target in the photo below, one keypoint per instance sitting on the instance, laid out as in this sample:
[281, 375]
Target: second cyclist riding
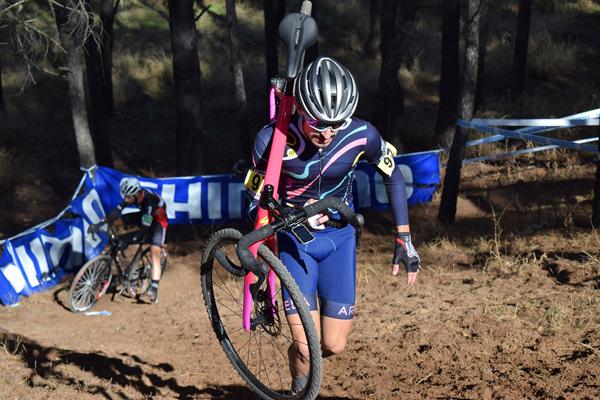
[128, 274]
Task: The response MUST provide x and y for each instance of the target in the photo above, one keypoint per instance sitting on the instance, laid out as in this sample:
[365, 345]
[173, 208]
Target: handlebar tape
[243, 249]
[333, 202]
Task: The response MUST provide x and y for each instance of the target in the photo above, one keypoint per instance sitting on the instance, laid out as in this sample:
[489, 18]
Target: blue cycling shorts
[324, 268]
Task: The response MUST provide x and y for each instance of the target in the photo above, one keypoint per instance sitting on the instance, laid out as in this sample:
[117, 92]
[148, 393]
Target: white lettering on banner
[363, 189]
[88, 206]
[236, 191]
[214, 200]
[58, 247]
[408, 179]
[192, 206]
[28, 266]
[149, 185]
[91, 241]
[37, 248]
[380, 193]
[13, 274]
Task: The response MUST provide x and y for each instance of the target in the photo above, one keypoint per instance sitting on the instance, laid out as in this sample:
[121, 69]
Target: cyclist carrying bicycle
[152, 219]
[324, 144]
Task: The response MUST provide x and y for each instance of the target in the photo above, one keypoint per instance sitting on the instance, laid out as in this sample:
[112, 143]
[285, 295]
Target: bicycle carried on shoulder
[260, 354]
[108, 271]
[241, 275]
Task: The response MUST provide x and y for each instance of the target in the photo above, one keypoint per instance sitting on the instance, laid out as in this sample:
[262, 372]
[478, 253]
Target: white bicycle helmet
[129, 187]
[326, 91]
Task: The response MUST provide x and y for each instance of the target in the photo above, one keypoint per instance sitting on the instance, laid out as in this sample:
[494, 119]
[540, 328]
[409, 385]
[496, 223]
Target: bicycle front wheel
[90, 284]
[259, 355]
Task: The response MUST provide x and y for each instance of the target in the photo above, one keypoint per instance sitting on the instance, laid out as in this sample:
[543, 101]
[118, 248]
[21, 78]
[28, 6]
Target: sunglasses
[323, 126]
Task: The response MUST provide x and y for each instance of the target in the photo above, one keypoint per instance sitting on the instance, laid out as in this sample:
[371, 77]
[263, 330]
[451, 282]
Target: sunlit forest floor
[506, 306]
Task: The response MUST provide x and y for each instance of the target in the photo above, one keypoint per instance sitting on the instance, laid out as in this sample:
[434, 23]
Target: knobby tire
[219, 314]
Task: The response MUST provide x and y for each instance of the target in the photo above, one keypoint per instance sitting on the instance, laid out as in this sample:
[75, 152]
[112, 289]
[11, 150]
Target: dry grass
[569, 7]
[12, 349]
[152, 75]
[550, 58]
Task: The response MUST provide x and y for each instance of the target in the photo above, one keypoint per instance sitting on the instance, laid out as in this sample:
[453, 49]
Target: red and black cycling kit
[152, 217]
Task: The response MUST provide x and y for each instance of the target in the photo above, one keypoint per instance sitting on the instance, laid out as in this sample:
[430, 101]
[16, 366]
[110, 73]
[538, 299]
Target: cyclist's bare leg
[155, 258]
[298, 351]
[334, 335]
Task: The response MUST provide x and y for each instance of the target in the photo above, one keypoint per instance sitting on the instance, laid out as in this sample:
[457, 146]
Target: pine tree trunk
[374, 36]
[2, 103]
[72, 42]
[273, 14]
[483, 36]
[312, 52]
[447, 212]
[238, 80]
[521, 45]
[98, 57]
[596, 201]
[186, 74]
[397, 20]
[449, 76]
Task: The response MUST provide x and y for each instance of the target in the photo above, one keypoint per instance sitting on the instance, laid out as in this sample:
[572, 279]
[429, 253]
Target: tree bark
[312, 52]
[273, 14]
[521, 45]
[2, 103]
[447, 212]
[596, 201]
[483, 36]
[186, 74]
[449, 77]
[238, 80]
[72, 40]
[397, 21]
[98, 57]
[374, 37]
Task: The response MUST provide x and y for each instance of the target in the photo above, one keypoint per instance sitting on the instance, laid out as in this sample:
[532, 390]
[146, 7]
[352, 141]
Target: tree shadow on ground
[130, 371]
[127, 371]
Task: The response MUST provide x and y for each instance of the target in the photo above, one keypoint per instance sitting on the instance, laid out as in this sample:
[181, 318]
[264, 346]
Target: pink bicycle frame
[298, 31]
[272, 176]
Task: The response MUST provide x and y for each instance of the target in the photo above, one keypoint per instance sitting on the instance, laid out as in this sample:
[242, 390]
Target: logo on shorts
[346, 311]
[291, 307]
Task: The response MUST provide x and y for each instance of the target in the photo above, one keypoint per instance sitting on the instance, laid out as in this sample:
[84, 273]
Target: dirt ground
[501, 311]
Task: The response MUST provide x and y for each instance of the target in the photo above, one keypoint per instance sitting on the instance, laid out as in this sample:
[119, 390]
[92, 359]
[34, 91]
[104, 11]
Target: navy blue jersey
[309, 172]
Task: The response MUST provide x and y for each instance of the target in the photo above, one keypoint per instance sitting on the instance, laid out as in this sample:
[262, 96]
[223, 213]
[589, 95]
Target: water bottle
[103, 312]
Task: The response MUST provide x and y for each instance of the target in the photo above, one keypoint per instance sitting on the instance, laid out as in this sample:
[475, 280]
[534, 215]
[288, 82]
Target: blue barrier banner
[37, 259]
[196, 199]
[421, 172]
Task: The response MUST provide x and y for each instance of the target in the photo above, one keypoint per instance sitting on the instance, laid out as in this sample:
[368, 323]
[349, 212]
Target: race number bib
[254, 182]
[147, 220]
[386, 163]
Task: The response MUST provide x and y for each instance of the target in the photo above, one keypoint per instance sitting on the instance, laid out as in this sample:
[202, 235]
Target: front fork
[252, 283]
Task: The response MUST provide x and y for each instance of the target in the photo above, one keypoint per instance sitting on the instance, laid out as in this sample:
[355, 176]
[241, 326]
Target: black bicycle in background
[115, 270]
